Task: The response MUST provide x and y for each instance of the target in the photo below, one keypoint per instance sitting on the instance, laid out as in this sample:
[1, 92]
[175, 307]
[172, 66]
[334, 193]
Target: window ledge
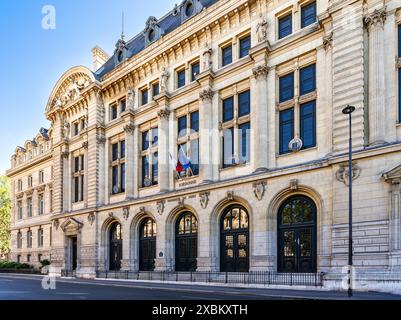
[294, 153]
[234, 166]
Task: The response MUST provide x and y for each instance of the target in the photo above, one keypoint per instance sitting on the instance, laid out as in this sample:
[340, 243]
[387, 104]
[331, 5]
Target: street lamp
[348, 111]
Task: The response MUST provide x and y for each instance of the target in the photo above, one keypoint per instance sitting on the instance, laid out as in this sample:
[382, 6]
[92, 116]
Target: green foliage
[5, 216]
[45, 263]
[14, 265]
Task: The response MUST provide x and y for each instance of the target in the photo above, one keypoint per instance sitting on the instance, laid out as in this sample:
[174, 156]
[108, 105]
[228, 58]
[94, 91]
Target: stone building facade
[253, 92]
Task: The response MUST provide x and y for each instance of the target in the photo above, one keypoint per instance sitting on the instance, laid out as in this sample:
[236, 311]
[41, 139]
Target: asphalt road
[20, 287]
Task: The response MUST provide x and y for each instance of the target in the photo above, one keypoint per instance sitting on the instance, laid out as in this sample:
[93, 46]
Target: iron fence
[255, 277]
[68, 273]
[21, 271]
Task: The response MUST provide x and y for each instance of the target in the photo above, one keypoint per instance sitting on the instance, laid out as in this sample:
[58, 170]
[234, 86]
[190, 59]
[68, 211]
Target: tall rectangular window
[79, 178]
[118, 167]
[188, 140]
[245, 142]
[20, 210]
[29, 207]
[308, 124]
[123, 105]
[227, 55]
[195, 70]
[308, 14]
[40, 238]
[155, 89]
[286, 89]
[307, 79]
[244, 46]
[19, 185]
[144, 97]
[30, 182]
[29, 239]
[181, 78]
[19, 240]
[286, 129]
[41, 204]
[236, 128]
[285, 26]
[113, 112]
[41, 176]
[244, 103]
[149, 155]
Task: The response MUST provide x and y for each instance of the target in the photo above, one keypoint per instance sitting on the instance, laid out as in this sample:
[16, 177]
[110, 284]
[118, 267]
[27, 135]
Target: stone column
[205, 135]
[377, 113]
[67, 192]
[130, 175]
[259, 128]
[164, 167]
[102, 186]
[395, 225]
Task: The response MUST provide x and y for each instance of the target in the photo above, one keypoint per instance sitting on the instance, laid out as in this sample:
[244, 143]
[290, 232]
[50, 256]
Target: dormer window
[151, 35]
[189, 9]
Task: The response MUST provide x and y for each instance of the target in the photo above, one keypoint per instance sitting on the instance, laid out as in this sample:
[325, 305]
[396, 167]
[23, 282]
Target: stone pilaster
[377, 98]
[130, 155]
[259, 128]
[205, 131]
[164, 160]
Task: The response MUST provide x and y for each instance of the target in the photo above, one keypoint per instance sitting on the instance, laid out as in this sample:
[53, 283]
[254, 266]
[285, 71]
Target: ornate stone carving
[328, 41]
[164, 80]
[342, 174]
[111, 214]
[126, 213]
[204, 199]
[142, 210]
[65, 154]
[29, 192]
[91, 218]
[56, 223]
[129, 128]
[206, 95]
[160, 206]
[260, 72]
[131, 99]
[377, 17]
[20, 195]
[41, 188]
[397, 62]
[85, 145]
[101, 140]
[259, 189]
[66, 129]
[294, 185]
[181, 203]
[230, 195]
[207, 59]
[261, 29]
[163, 114]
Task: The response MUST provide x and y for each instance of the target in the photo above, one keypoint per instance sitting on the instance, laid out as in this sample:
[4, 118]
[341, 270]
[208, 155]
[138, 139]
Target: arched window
[147, 245]
[186, 244]
[234, 238]
[297, 235]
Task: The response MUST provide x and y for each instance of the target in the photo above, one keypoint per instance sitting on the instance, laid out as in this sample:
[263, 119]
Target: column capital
[163, 114]
[206, 95]
[260, 72]
[377, 17]
[328, 41]
[129, 128]
[101, 140]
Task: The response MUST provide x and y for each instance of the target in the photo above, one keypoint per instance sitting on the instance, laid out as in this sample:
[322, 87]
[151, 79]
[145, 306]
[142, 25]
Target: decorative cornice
[206, 95]
[377, 17]
[260, 72]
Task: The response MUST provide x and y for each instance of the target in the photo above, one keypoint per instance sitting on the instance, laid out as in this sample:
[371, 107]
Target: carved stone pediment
[71, 224]
[393, 176]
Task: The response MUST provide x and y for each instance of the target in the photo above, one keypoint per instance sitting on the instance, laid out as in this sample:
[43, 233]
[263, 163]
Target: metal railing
[68, 273]
[254, 277]
[21, 271]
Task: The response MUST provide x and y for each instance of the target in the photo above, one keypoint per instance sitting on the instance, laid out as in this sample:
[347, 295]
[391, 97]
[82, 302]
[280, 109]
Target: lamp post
[348, 111]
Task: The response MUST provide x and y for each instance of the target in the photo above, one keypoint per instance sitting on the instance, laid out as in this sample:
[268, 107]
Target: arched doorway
[234, 240]
[147, 245]
[297, 235]
[115, 246]
[186, 242]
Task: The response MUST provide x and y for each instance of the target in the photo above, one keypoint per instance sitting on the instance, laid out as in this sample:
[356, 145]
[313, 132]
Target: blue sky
[33, 59]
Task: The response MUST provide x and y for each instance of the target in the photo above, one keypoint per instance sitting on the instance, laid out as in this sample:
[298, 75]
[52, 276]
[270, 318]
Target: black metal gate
[234, 238]
[297, 236]
[74, 256]
[186, 243]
